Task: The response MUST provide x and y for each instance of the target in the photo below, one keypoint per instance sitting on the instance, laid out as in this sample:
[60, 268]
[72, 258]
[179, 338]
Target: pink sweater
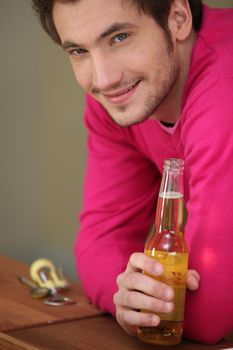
[123, 176]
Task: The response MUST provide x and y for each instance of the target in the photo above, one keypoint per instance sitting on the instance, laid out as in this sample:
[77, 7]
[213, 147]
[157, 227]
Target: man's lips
[121, 95]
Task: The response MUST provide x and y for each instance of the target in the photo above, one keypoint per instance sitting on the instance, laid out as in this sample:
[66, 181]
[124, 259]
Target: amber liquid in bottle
[168, 246]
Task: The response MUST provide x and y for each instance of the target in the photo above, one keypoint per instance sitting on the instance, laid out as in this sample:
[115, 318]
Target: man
[158, 86]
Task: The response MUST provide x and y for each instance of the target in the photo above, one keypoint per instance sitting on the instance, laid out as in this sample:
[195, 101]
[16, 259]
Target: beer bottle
[167, 245]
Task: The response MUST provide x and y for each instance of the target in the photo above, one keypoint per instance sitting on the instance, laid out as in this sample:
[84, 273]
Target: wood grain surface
[18, 310]
[97, 333]
[10, 343]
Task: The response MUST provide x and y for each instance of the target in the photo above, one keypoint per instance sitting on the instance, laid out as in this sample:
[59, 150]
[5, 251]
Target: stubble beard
[153, 100]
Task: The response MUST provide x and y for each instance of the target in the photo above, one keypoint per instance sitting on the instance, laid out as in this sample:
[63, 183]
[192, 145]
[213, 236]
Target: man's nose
[105, 73]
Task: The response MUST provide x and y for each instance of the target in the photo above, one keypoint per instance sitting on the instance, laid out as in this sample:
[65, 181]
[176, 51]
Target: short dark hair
[158, 9]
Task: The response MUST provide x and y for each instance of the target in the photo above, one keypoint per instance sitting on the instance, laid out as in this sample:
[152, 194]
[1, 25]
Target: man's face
[120, 56]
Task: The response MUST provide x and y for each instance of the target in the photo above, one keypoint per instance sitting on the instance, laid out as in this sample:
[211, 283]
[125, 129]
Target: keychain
[46, 275]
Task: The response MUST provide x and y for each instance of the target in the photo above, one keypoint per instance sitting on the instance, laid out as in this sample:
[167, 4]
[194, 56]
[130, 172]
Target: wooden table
[90, 330]
[19, 311]
[97, 333]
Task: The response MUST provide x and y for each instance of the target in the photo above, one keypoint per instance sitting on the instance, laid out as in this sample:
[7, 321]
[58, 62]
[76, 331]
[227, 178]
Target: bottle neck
[169, 214]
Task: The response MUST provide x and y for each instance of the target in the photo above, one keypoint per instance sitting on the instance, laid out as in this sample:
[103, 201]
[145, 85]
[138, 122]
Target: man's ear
[180, 20]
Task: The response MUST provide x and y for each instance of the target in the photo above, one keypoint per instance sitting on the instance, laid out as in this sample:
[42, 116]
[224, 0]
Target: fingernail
[169, 307]
[158, 270]
[155, 320]
[168, 294]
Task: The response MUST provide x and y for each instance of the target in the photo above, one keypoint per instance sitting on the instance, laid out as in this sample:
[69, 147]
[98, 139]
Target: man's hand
[138, 291]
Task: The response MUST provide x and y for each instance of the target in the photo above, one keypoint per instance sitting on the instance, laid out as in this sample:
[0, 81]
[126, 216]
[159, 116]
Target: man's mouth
[121, 95]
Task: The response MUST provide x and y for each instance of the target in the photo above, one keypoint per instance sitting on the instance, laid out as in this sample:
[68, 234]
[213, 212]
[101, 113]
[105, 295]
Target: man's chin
[126, 120]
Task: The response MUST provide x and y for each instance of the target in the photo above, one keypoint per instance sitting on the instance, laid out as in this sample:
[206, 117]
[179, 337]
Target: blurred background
[42, 141]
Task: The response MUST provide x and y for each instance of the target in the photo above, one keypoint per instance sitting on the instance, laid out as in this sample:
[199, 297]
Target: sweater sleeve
[119, 205]
[208, 139]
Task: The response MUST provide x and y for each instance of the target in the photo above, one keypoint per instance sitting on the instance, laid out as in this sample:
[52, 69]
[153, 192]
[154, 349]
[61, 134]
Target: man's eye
[77, 52]
[120, 37]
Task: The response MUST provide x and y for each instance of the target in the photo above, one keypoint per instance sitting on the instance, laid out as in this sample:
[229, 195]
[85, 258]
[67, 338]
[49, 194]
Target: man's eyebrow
[69, 45]
[115, 27]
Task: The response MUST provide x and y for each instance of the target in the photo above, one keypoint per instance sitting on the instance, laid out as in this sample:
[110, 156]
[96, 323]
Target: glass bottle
[167, 245]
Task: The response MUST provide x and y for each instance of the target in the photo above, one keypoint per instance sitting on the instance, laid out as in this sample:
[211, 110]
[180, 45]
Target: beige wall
[219, 3]
[42, 141]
